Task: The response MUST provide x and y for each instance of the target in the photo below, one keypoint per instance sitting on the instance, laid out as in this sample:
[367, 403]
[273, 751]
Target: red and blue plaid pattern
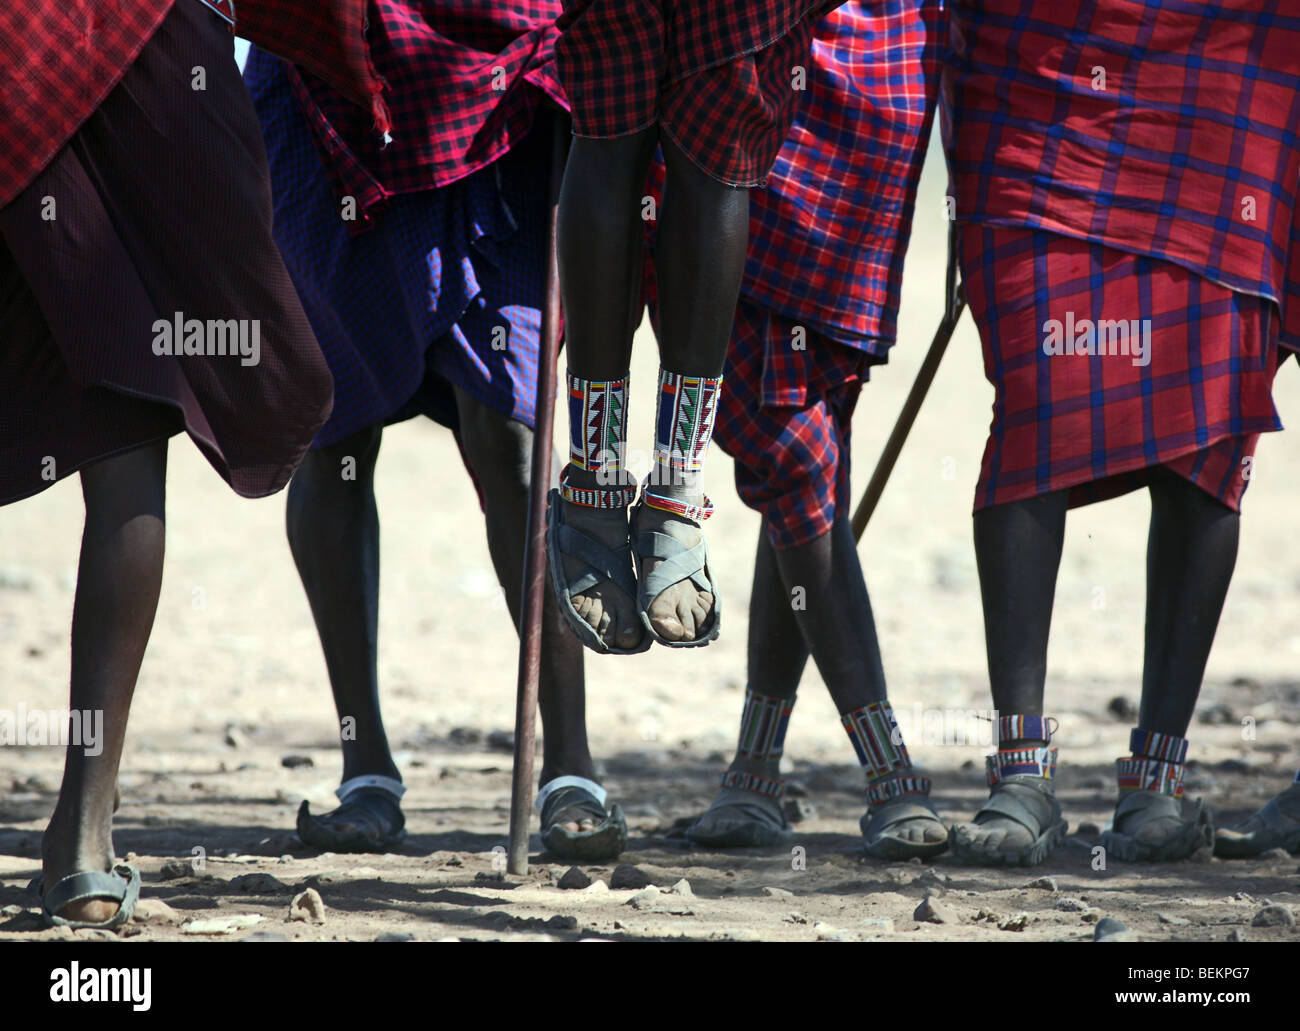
[721, 80]
[829, 233]
[1160, 127]
[465, 78]
[58, 61]
[1095, 424]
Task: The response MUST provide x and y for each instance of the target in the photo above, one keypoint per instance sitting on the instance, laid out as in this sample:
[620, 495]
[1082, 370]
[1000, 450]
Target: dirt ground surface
[234, 683]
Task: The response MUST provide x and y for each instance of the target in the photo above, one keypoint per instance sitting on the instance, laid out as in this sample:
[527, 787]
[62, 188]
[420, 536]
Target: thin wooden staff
[534, 580]
[954, 305]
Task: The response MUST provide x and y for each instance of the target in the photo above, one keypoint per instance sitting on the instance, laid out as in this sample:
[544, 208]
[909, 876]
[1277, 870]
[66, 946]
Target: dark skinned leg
[333, 527]
[118, 581]
[499, 450]
[699, 262]
[601, 245]
[1018, 551]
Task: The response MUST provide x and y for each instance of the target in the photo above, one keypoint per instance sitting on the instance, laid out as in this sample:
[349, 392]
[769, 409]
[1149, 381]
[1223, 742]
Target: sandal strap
[768, 787]
[602, 563]
[598, 497]
[1155, 775]
[886, 789]
[371, 782]
[678, 563]
[1028, 800]
[121, 885]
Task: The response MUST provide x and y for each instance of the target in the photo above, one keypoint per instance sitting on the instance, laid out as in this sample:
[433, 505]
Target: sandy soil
[234, 648]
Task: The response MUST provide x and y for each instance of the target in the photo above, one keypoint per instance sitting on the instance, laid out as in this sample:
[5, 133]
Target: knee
[328, 477]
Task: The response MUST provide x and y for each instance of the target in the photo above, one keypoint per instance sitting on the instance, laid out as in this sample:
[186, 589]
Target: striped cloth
[1125, 161]
[447, 290]
[721, 80]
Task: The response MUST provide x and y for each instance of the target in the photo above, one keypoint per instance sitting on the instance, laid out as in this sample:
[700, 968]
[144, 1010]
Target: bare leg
[118, 582]
[499, 451]
[601, 247]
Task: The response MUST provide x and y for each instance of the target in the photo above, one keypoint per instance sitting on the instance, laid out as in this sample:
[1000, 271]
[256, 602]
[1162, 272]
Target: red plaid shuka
[59, 59]
[1160, 129]
[828, 236]
[464, 79]
[718, 78]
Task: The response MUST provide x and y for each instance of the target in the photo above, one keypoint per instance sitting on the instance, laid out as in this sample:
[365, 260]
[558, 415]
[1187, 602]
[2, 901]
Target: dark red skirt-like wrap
[720, 79]
[1184, 378]
[160, 204]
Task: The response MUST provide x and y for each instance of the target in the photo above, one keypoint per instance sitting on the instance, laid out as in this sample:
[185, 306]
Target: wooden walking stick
[534, 580]
[954, 305]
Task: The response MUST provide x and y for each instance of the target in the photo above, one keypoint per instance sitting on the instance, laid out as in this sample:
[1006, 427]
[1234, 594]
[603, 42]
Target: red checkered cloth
[464, 80]
[1159, 127]
[719, 79]
[792, 461]
[1095, 424]
[59, 59]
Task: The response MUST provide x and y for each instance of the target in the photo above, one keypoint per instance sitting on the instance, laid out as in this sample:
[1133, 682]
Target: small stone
[933, 911]
[1274, 855]
[989, 915]
[155, 911]
[933, 877]
[1173, 920]
[1111, 930]
[223, 924]
[597, 887]
[454, 861]
[1122, 708]
[879, 925]
[827, 933]
[258, 884]
[174, 869]
[626, 875]
[798, 809]
[234, 737]
[501, 741]
[778, 892]
[1071, 906]
[1204, 854]
[1090, 916]
[294, 762]
[1045, 883]
[265, 936]
[573, 880]
[11, 910]
[395, 936]
[645, 899]
[1274, 916]
[309, 906]
[1014, 923]
[1087, 829]
[682, 887]
[563, 923]
[1237, 935]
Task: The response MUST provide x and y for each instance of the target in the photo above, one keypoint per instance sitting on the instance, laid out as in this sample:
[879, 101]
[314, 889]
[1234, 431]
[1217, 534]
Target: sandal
[1276, 825]
[601, 564]
[678, 563]
[605, 841]
[1156, 831]
[745, 824]
[898, 801]
[1025, 798]
[121, 885]
[372, 801]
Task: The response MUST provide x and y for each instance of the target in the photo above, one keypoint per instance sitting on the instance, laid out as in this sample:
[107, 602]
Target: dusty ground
[234, 647]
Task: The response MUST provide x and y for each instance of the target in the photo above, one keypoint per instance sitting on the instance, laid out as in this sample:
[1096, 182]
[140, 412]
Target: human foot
[747, 811]
[901, 823]
[1275, 825]
[677, 595]
[575, 823]
[368, 819]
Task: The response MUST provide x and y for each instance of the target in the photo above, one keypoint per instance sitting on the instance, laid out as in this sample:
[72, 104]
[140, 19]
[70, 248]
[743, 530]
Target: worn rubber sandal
[121, 885]
[1275, 825]
[605, 841]
[364, 798]
[599, 565]
[879, 843]
[1028, 801]
[1144, 808]
[752, 826]
[679, 563]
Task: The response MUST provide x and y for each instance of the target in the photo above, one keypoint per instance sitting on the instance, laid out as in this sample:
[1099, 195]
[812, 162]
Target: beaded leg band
[762, 726]
[1023, 728]
[1158, 763]
[621, 496]
[598, 426]
[873, 729]
[769, 787]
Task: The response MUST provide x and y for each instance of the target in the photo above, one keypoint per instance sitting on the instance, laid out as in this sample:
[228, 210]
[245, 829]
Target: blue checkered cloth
[446, 289]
